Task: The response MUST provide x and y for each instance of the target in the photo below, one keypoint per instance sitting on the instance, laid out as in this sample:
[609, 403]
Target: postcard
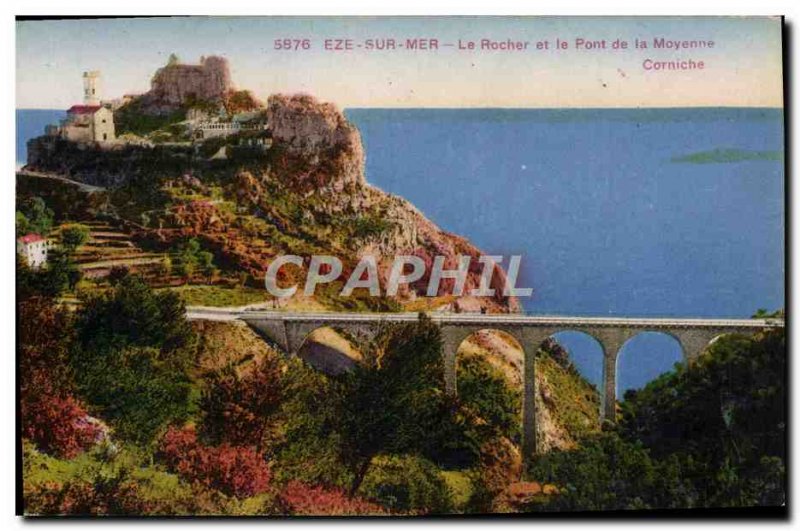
[400, 266]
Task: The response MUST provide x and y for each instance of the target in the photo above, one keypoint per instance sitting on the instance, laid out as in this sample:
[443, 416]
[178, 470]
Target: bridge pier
[451, 340]
[530, 340]
[611, 341]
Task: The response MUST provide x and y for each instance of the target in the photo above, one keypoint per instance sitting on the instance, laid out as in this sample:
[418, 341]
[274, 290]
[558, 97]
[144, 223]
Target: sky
[742, 69]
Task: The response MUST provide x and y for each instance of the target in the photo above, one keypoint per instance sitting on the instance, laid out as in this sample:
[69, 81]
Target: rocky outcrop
[175, 84]
[317, 140]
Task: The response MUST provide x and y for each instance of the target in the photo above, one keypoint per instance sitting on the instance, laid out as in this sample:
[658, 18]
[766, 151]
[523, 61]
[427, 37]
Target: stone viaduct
[290, 330]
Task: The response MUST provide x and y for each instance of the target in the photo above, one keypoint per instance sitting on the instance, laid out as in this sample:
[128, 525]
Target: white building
[88, 123]
[33, 248]
[91, 88]
[210, 128]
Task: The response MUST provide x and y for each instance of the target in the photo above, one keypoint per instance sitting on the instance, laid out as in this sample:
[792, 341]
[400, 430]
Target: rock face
[175, 83]
[317, 136]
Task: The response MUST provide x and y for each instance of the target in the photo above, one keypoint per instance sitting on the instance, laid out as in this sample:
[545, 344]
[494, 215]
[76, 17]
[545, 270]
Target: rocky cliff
[176, 83]
[306, 195]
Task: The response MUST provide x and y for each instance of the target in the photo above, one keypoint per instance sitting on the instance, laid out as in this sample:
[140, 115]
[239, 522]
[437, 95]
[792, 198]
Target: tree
[235, 470]
[238, 409]
[723, 413]
[604, 473]
[185, 267]
[117, 273]
[187, 259]
[59, 425]
[58, 275]
[165, 267]
[395, 399]
[37, 216]
[133, 355]
[22, 224]
[407, 484]
[73, 236]
[206, 261]
[711, 434]
[313, 500]
[484, 390]
[52, 417]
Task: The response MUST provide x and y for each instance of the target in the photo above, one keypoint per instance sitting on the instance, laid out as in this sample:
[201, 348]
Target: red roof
[31, 238]
[84, 109]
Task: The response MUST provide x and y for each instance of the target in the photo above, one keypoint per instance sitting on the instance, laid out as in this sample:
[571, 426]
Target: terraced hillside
[109, 247]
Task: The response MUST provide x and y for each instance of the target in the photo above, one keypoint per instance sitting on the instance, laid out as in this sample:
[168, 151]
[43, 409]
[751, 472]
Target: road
[233, 314]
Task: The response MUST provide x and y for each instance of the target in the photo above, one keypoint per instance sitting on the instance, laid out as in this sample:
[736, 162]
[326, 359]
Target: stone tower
[91, 88]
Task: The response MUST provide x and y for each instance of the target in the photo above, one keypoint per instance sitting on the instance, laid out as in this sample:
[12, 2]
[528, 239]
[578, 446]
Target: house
[33, 248]
[88, 123]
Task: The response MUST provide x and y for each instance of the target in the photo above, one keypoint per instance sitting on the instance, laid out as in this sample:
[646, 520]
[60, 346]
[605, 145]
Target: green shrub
[485, 391]
[131, 118]
[407, 484]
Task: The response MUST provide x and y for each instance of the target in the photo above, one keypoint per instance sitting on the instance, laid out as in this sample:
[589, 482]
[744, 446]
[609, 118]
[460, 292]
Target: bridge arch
[662, 348]
[585, 350]
[329, 350]
[506, 351]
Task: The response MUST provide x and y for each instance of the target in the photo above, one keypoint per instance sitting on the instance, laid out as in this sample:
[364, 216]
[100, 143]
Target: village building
[222, 126]
[33, 248]
[90, 122]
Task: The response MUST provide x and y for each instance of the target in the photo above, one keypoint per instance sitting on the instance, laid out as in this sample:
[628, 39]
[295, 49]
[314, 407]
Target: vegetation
[73, 236]
[572, 400]
[202, 420]
[486, 391]
[53, 418]
[240, 407]
[407, 484]
[234, 470]
[130, 118]
[205, 295]
[34, 216]
[709, 435]
[128, 409]
[132, 358]
[58, 275]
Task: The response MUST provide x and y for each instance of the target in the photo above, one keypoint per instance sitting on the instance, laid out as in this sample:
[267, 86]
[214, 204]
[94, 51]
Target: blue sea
[607, 218]
[626, 212]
